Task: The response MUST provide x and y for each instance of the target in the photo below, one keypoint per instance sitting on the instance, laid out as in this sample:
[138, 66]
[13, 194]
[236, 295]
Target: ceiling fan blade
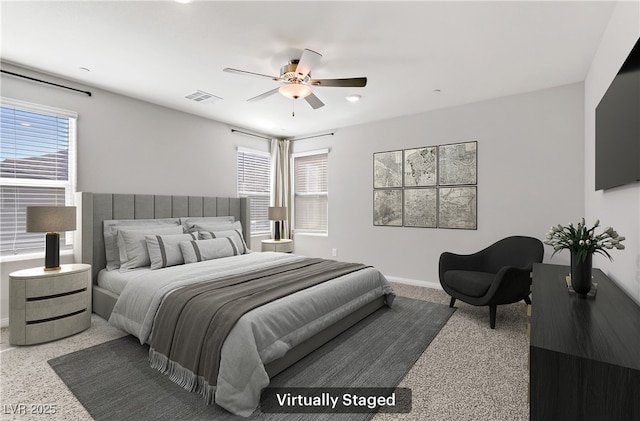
[244, 72]
[314, 101]
[354, 82]
[308, 60]
[264, 95]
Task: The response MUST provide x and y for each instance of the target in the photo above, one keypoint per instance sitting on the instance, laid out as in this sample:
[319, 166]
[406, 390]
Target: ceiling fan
[296, 79]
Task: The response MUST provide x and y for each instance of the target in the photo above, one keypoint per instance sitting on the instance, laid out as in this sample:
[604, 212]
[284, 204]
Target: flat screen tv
[618, 127]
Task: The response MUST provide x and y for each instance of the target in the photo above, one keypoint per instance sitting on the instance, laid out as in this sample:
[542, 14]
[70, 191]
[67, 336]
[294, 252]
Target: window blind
[37, 167]
[254, 181]
[311, 185]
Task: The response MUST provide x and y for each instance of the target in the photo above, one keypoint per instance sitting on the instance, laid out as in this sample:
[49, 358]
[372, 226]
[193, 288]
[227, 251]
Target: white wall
[530, 176]
[131, 146]
[618, 207]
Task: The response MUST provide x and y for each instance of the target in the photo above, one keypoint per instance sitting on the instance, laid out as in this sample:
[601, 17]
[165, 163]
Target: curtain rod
[268, 138]
[44, 81]
[311, 137]
[250, 134]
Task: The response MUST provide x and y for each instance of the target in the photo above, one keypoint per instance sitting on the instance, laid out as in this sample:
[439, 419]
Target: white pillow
[164, 249]
[201, 250]
[132, 245]
[189, 223]
[236, 235]
[226, 226]
[111, 227]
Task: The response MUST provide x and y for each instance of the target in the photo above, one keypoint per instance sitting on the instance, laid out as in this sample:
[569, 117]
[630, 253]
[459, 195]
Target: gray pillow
[201, 250]
[164, 249]
[236, 235]
[111, 227]
[132, 245]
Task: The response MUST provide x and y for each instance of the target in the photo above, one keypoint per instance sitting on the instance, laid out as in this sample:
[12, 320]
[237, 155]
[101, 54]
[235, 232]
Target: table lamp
[277, 214]
[52, 220]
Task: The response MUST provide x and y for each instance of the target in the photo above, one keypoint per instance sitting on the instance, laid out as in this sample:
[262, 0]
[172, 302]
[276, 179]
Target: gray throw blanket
[193, 322]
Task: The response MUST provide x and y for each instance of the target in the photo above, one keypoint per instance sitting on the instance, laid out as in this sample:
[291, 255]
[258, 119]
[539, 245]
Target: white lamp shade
[295, 90]
[277, 213]
[51, 218]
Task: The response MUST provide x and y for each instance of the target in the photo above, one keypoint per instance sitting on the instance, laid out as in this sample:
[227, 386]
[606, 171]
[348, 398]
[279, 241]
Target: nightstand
[282, 246]
[49, 305]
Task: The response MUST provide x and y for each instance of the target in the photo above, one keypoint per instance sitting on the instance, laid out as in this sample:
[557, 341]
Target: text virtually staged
[335, 400]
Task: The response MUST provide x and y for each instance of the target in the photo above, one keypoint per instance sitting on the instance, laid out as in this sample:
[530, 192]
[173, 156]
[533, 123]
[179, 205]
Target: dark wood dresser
[584, 352]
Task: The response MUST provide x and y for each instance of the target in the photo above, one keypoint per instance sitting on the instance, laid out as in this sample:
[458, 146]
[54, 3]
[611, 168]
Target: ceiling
[417, 55]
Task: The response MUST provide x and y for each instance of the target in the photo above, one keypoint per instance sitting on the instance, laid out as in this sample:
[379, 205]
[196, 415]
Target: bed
[266, 339]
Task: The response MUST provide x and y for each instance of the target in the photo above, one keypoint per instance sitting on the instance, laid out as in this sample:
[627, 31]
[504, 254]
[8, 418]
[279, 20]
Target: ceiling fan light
[295, 90]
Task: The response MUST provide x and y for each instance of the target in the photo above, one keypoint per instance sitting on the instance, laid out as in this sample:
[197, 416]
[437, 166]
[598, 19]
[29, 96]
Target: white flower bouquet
[583, 241]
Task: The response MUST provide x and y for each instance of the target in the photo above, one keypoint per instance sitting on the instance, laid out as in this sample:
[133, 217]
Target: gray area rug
[114, 381]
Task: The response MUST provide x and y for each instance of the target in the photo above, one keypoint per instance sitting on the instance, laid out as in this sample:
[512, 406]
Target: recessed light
[436, 91]
[353, 98]
[84, 69]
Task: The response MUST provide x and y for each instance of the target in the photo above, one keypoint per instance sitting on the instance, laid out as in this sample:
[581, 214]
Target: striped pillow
[164, 250]
[236, 235]
[201, 250]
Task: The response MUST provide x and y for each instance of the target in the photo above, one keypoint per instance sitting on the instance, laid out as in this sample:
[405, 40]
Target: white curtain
[280, 178]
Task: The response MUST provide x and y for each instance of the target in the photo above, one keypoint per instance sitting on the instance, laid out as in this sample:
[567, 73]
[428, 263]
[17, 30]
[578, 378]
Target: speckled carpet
[113, 380]
[468, 372]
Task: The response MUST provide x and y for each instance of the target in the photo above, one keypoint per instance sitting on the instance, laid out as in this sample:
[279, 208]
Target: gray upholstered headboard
[93, 208]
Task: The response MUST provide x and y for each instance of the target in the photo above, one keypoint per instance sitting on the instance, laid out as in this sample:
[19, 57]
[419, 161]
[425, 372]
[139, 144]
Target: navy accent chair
[499, 274]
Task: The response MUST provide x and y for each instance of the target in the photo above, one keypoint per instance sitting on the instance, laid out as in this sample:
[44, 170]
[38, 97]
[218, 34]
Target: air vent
[202, 97]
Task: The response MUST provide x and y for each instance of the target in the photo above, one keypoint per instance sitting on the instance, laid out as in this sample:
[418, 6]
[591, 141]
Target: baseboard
[4, 322]
[414, 282]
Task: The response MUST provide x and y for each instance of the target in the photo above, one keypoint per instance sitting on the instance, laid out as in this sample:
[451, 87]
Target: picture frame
[387, 207]
[421, 207]
[427, 187]
[457, 164]
[421, 167]
[458, 207]
[387, 169]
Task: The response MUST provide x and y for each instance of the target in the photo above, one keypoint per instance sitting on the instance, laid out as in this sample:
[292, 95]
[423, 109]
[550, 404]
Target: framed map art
[420, 167]
[420, 207]
[387, 207]
[428, 187]
[458, 207]
[457, 164]
[387, 169]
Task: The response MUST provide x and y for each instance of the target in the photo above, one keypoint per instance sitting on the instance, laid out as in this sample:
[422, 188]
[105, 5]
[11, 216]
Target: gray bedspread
[193, 323]
[262, 335]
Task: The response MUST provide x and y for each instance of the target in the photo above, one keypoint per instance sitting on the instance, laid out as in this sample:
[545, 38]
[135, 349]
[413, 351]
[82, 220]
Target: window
[310, 191]
[254, 181]
[37, 167]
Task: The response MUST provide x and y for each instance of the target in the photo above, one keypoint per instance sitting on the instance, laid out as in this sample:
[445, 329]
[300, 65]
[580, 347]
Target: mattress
[115, 281]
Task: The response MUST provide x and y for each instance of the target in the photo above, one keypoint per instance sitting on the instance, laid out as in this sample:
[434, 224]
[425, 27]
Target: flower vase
[581, 273]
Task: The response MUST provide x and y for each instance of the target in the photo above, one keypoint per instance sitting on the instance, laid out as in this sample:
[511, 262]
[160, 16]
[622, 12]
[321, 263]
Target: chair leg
[452, 302]
[527, 300]
[492, 316]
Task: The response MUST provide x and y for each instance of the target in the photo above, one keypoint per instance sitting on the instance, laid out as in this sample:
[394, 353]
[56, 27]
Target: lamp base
[276, 234]
[52, 251]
